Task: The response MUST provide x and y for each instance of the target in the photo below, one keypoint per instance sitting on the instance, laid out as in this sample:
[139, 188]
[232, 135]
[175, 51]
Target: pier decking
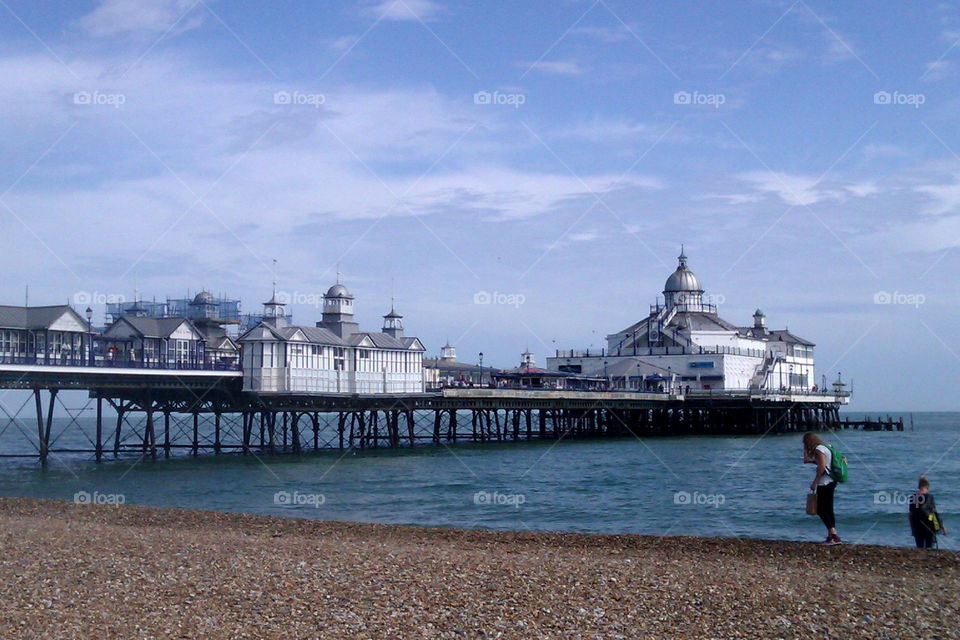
[158, 412]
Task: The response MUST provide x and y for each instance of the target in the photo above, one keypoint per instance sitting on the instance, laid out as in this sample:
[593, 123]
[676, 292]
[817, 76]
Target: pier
[160, 412]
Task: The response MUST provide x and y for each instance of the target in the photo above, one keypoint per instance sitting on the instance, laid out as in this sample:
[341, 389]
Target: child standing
[925, 522]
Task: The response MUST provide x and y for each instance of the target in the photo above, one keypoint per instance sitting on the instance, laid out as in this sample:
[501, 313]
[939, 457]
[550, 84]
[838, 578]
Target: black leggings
[825, 504]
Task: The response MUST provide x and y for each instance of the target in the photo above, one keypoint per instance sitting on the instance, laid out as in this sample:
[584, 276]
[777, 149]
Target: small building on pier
[683, 344]
[53, 334]
[334, 356]
[447, 371]
[154, 342]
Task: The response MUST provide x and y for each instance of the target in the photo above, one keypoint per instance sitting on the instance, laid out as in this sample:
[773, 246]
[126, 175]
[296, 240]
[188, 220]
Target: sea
[746, 486]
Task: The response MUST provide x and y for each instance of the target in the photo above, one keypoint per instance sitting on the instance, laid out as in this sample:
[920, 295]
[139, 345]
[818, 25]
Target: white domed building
[684, 345]
[334, 356]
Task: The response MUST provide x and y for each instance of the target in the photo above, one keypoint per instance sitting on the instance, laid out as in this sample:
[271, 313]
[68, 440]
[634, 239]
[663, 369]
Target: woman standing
[816, 451]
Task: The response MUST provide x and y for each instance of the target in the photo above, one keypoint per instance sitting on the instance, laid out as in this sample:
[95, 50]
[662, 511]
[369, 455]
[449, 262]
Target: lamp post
[481, 368]
[605, 375]
[90, 333]
[790, 379]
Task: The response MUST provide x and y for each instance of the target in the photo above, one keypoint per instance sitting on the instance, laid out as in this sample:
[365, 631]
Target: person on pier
[818, 452]
[925, 522]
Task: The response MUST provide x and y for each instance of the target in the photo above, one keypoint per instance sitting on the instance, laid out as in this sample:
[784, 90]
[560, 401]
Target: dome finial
[682, 257]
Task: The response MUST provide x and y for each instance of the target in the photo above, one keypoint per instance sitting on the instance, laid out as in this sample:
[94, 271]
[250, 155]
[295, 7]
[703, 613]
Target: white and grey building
[684, 344]
[334, 356]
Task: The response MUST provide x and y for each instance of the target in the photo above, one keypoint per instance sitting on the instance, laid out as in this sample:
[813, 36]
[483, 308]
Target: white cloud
[946, 197]
[795, 190]
[559, 67]
[402, 10]
[608, 35]
[142, 17]
[863, 189]
[938, 70]
[600, 130]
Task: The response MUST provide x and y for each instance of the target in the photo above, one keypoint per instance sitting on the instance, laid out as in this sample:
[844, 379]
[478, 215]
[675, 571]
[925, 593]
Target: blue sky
[554, 153]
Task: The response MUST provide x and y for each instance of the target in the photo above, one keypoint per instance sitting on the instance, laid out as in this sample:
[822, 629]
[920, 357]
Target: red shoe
[833, 540]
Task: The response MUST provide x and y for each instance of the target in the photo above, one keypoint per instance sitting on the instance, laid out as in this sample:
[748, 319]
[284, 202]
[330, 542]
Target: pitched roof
[156, 327]
[379, 340]
[786, 336]
[14, 317]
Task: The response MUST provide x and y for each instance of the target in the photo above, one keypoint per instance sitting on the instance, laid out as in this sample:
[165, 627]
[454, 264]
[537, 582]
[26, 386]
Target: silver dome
[682, 279]
[204, 297]
[338, 291]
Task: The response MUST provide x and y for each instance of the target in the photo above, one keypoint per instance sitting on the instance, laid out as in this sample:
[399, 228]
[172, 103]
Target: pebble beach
[85, 571]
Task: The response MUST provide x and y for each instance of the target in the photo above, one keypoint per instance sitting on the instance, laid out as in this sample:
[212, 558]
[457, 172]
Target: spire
[682, 257]
[273, 274]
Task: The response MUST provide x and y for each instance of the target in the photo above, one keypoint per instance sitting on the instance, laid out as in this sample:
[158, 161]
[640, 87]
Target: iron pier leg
[166, 434]
[116, 434]
[99, 450]
[42, 448]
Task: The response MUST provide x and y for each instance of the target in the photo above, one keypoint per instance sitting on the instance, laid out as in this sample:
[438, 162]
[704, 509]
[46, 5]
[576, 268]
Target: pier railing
[659, 351]
[84, 361]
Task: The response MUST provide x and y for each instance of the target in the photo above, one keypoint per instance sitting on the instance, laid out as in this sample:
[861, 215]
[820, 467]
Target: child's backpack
[838, 465]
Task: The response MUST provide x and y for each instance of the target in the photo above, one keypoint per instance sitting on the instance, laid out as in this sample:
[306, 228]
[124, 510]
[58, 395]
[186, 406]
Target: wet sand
[83, 571]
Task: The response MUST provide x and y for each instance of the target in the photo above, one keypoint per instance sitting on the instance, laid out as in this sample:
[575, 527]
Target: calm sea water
[741, 486]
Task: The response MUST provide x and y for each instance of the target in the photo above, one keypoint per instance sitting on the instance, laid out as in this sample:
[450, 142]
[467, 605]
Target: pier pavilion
[684, 344]
[334, 356]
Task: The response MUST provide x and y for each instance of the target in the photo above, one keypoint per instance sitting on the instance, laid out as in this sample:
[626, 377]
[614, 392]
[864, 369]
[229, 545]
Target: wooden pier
[159, 413]
[868, 424]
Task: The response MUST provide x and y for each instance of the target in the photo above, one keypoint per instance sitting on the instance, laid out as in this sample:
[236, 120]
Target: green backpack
[838, 465]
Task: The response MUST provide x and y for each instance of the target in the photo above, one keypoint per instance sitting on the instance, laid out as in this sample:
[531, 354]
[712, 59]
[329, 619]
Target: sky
[516, 174]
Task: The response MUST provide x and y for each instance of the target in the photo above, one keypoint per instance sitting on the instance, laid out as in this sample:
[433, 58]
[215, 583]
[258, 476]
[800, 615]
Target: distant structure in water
[684, 344]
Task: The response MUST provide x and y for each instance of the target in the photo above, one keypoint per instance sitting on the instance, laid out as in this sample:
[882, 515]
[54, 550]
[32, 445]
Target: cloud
[938, 70]
[608, 35]
[402, 10]
[600, 130]
[142, 17]
[558, 67]
[863, 189]
[796, 190]
[946, 197]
